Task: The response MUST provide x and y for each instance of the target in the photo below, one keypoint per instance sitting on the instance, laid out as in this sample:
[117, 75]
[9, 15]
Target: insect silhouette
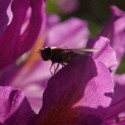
[60, 55]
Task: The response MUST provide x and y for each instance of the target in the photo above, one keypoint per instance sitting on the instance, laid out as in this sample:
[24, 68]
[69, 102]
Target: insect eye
[46, 53]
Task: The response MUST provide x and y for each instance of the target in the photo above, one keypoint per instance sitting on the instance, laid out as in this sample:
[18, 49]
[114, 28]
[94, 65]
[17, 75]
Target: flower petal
[119, 90]
[82, 83]
[13, 43]
[3, 15]
[32, 80]
[37, 22]
[116, 111]
[115, 31]
[73, 33]
[14, 107]
[104, 52]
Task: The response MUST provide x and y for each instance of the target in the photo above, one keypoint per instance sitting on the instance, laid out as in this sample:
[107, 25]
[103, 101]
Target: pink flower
[80, 93]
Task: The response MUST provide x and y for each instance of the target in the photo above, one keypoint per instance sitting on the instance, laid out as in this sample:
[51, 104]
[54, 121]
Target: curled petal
[104, 52]
[11, 35]
[14, 107]
[12, 42]
[36, 23]
[115, 31]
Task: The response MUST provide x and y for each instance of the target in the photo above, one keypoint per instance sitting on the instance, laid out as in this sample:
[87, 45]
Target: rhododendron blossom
[81, 93]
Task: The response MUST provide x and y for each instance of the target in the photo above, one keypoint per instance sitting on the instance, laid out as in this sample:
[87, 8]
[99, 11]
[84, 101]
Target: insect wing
[83, 50]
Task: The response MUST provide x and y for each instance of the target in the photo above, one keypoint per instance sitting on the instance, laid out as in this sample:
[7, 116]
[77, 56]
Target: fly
[60, 55]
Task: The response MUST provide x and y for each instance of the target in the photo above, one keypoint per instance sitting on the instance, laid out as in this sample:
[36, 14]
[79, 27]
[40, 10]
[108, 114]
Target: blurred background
[95, 12]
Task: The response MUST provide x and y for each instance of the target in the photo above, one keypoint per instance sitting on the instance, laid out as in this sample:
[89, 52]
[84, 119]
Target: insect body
[60, 55]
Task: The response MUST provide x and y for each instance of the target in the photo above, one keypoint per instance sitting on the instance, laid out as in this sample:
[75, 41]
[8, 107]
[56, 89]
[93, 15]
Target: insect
[60, 55]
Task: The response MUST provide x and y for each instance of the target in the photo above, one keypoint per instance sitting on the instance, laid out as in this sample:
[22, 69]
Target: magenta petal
[34, 79]
[119, 90]
[14, 107]
[3, 15]
[117, 107]
[104, 52]
[67, 79]
[35, 25]
[72, 33]
[82, 83]
[13, 43]
[98, 90]
[115, 31]
[10, 37]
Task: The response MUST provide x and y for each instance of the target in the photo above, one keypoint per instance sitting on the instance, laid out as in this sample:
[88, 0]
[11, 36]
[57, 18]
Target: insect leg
[55, 68]
[51, 68]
